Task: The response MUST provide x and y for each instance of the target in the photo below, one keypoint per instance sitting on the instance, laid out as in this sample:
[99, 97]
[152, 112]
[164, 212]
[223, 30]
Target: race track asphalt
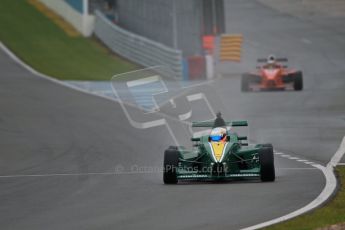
[60, 148]
[310, 122]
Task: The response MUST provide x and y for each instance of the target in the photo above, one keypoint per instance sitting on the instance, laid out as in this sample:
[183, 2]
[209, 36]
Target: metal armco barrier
[137, 48]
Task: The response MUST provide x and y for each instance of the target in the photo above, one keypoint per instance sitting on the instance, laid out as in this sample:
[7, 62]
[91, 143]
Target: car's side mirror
[242, 138]
[195, 139]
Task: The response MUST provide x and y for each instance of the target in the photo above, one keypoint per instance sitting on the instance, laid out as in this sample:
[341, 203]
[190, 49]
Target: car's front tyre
[266, 159]
[171, 157]
[298, 81]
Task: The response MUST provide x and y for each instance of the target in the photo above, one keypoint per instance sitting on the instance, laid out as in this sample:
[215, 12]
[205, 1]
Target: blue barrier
[76, 4]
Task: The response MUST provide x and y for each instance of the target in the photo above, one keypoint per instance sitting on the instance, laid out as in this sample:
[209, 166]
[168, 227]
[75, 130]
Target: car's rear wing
[263, 60]
[211, 123]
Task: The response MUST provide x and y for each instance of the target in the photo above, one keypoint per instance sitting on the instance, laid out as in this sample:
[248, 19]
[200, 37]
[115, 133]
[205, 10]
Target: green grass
[45, 46]
[332, 213]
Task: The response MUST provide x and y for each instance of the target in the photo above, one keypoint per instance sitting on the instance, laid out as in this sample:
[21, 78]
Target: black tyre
[266, 159]
[255, 79]
[171, 157]
[267, 145]
[173, 147]
[245, 83]
[298, 81]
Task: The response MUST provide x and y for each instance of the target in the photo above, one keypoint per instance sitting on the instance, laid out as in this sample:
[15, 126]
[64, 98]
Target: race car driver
[271, 63]
[218, 135]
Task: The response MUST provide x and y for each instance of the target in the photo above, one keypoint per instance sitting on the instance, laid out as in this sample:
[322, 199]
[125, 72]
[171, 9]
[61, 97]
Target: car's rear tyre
[298, 81]
[245, 82]
[171, 157]
[267, 145]
[266, 159]
[173, 147]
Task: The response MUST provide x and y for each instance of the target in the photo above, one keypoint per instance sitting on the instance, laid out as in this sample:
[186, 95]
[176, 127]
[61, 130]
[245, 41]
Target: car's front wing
[253, 173]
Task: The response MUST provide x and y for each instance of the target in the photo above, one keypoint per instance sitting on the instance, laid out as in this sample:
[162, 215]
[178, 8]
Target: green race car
[222, 155]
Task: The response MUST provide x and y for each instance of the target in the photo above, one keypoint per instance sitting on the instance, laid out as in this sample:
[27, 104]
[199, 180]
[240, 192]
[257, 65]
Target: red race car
[272, 75]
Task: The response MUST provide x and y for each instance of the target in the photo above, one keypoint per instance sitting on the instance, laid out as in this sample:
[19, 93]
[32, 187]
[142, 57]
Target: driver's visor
[216, 138]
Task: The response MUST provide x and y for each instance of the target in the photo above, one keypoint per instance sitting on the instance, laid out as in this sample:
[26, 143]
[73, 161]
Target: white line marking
[309, 162]
[185, 116]
[341, 164]
[298, 168]
[293, 158]
[172, 102]
[143, 81]
[56, 174]
[207, 82]
[34, 72]
[214, 157]
[316, 165]
[80, 174]
[102, 91]
[285, 155]
[278, 153]
[223, 153]
[302, 160]
[339, 154]
[194, 97]
[331, 184]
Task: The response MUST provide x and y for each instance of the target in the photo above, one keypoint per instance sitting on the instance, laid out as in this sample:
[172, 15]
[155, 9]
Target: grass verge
[332, 213]
[47, 48]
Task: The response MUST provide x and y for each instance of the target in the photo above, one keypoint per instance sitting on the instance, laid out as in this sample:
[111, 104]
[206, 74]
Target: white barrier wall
[136, 48]
[83, 22]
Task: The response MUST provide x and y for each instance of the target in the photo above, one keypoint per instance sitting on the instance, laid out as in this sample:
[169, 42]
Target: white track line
[310, 168]
[338, 155]
[315, 165]
[302, 160]
[293, 158]
[331, 184]
[79, 174]
[56, 174]
[38, 74]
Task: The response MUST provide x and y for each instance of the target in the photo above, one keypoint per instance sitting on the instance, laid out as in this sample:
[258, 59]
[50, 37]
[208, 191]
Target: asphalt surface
[60, 148]
[310, 122]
